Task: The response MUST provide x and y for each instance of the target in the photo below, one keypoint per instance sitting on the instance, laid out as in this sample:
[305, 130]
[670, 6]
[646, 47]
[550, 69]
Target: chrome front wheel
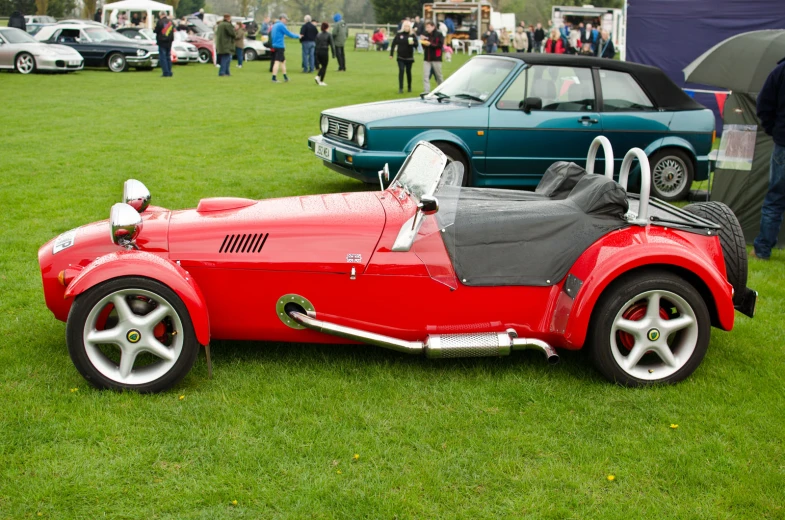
[25, 63]
[131, 333]
[653, 328]
[116, 62]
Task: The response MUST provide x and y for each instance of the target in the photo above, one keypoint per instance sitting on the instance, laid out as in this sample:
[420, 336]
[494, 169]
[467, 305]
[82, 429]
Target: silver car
[20, 51]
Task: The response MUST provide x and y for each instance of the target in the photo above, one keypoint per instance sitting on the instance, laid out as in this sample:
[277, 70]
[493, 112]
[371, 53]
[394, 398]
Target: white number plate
[64, 241]
[325, 152]
[73, 62]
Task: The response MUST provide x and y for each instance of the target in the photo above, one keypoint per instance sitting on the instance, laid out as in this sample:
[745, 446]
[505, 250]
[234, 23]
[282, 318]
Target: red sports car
[422, 267]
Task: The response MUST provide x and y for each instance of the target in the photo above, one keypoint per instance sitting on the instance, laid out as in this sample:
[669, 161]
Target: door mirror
[428, 205]
[531, 103]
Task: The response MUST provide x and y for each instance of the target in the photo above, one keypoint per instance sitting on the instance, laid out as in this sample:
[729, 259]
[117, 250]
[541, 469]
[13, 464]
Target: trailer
[612, 20]
[471, 19]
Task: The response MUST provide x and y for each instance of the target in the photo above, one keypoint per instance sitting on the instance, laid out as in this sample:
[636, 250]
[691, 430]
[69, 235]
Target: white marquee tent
[149, 7]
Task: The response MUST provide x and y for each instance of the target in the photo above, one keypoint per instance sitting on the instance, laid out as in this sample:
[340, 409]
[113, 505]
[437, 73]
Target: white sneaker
[322, 84]
[318, 81]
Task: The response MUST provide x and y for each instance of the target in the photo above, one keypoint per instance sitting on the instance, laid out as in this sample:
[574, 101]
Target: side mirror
[531, 103]
[428, 205]
[384, 175]
[126, 223]
[136, 195]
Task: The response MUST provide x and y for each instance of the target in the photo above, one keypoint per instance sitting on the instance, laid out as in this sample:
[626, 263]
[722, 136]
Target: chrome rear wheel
[25, 63]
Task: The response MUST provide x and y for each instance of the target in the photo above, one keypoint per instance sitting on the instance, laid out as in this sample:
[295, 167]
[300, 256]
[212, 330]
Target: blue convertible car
[508, 117]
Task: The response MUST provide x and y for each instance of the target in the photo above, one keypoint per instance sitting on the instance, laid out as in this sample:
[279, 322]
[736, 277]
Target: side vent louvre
[245, 243]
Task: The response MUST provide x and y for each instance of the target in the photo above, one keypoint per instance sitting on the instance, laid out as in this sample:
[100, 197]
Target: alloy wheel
[654, 335]
[133, 336]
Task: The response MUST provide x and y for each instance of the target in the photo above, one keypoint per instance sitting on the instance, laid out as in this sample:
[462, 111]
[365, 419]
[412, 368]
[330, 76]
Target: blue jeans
[165, 60]
[239, 51]
[309, 59]
[773, 205]
[224, 60]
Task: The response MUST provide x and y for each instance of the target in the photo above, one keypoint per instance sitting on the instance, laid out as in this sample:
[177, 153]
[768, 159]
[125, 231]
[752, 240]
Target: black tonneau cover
[507, 237]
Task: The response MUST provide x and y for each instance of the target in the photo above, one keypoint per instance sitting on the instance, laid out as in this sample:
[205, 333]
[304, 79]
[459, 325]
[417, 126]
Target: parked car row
[95, 45]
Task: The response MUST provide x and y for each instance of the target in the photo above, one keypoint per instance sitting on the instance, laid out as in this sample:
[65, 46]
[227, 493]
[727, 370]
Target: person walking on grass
[164, 36]
[277, 35]
[771, 112]
[491, 40]
[239, 43]
[324, 44]
[224, 44]
[432, 42]
[340, 33]
[308, 33]
[406, 42]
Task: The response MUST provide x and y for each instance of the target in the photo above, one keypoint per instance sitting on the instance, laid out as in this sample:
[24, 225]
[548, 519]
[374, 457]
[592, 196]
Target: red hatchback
[422, 267]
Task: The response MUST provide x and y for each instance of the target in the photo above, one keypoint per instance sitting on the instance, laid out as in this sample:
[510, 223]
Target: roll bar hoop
[642, 218]
[607, 150]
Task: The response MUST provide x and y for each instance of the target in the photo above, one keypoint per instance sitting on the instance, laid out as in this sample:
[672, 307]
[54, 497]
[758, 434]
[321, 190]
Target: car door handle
[587, 119]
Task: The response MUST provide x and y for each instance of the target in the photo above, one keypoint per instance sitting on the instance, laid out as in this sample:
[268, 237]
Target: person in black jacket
[539, 37]
[771, 112]
[17, 20]
[324, 42]
[309, 33]
[432, 42]
[164, 36]
[605, 48]
[406, 42]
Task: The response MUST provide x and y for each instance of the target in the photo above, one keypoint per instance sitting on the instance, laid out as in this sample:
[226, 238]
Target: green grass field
[279, 426]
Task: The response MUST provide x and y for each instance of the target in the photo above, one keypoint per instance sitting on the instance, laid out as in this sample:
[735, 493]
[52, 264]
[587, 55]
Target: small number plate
[74, 62]
[64, 241]
[325, 152]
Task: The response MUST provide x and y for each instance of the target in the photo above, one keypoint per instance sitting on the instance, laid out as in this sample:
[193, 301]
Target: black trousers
[405, 65]
[341, 57]
[322, 59]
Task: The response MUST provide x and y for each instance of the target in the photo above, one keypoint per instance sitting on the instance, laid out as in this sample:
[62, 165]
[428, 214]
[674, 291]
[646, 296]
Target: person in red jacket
[554, 44]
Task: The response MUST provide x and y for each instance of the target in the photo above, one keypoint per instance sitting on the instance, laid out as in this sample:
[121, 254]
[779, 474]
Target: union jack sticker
[354, 257]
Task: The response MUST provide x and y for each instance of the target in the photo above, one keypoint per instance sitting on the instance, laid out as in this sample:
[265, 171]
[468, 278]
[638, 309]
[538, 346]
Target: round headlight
[325, 124]
[361, 135]
[350, 132]
[140, 52]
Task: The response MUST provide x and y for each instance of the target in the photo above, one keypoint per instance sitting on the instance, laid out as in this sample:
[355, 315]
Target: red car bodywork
[202, 43]
[336, 250]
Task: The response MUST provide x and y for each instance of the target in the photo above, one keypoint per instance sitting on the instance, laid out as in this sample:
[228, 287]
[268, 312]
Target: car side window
[621, 93]
[562, 89]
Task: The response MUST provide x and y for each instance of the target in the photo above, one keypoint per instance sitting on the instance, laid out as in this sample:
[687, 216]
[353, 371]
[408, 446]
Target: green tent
[744, 191]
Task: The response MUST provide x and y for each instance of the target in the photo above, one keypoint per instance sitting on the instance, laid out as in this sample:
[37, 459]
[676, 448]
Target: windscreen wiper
[440, 96]
[469, 96]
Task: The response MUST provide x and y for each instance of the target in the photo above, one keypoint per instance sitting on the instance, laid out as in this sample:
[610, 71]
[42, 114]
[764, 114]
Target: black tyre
[249, 55]
[116, 62]
[24, 63]
[732, 240]
[672, 173]
[205, 56]
[651, 327]
[454, 153]
[131, 333]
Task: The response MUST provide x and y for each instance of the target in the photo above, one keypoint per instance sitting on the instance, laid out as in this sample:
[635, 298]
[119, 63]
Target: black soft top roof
[665, 94]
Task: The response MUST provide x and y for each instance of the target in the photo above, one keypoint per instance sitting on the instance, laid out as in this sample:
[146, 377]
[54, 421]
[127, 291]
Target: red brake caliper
[635, 313]
[160, 332]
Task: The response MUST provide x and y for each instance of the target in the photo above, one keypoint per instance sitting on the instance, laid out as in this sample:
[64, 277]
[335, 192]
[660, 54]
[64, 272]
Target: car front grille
[338, 128]
[245, 243]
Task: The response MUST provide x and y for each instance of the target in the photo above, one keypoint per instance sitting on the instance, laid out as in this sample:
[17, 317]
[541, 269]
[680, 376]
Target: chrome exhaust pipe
[408, 347]
[478, 344]
[536, 344]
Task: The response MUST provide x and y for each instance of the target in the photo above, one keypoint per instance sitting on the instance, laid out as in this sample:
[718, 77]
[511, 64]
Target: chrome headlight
[360, 135]
[136, 195]
[126, 224]
[141, 52]
[350, 132]
[325, 124]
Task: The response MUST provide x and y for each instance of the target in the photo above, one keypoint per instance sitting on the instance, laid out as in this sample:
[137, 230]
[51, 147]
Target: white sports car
[21, 52]
[182, 52]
